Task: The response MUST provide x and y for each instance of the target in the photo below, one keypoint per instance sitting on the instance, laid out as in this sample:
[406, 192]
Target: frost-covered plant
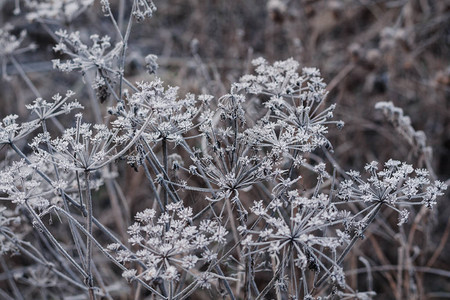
[143, 9]
[171, 247]
[392, 186]
[59, 105]
[294, 120]
[295, 241]
[239, 199]
[81, 148]
[11, 131]
[11, 45]
[170, 117]
[97, 58]
[83, 57]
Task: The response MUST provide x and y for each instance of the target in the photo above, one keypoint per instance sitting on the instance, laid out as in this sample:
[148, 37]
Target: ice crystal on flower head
[294, 120]
[171, 116]
[394, 186]
[11, 131]
[143, 9]
[81, 148]
[169, 244]
[227, 160]
[231, 165]
[84, 58]
[303, 235]
[46, 110]
[279, 78]
[23, 186]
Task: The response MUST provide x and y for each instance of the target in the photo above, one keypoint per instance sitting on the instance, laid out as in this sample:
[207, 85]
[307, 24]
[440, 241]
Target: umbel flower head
[11, 131]
[230, 163]
[98, 58]
[83, 57]
[300, 235]
[49, 109]
[294, 120]
[80, 148]
[170, 116]
[11, 45]
[143, 9]
[169, 244]
[24, 186]
[393, 186]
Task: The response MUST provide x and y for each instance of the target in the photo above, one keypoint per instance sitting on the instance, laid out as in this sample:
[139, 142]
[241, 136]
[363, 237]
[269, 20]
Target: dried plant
[244, 198]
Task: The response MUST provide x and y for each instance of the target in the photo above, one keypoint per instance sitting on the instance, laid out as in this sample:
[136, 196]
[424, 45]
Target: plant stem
[341, 258]
[89, 279]
[166, 169]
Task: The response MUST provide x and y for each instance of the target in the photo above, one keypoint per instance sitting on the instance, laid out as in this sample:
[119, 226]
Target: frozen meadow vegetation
[244, 197]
